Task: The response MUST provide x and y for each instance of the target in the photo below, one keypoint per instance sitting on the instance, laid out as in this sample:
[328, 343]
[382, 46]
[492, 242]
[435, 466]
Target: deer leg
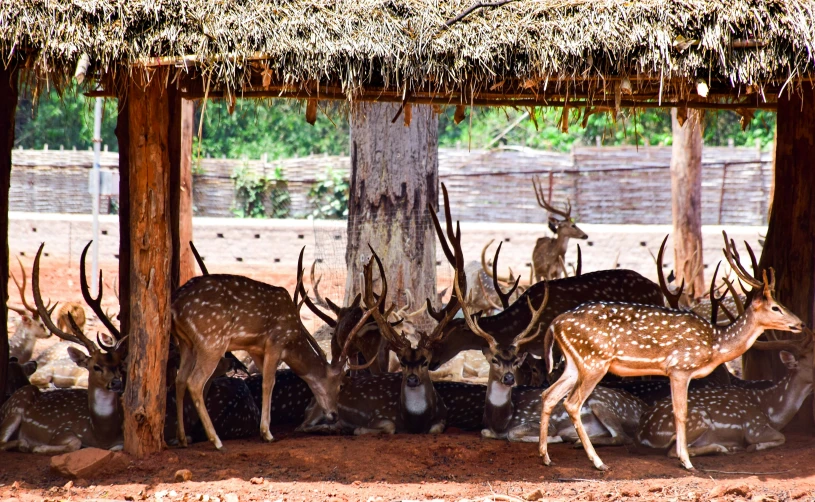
[679, 398]
[762, 439]
[271, 359]
[186, 365]
[201, 372]
[66, 444]
[574, 402]
[526, 433]
[382, 426]
[611, 421]
[551, 397]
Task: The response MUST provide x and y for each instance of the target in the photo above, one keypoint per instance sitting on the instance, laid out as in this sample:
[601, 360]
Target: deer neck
[498, 408]
[561, 244]
[735, 339]
[305, 360]
[106, 414]
[418, 405]
[23, 340]
[783, 400]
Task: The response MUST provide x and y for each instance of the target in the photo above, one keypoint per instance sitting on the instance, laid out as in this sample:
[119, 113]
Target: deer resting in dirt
[30, 328]
[637, 340]
[732, 419]
[548, 255]
[63, 421]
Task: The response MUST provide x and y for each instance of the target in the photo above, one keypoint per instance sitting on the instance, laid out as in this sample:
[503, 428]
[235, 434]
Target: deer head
[30, 324]
[565, 227]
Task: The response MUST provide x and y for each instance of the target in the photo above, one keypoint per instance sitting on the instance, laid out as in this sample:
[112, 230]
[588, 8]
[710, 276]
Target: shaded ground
[450, 467]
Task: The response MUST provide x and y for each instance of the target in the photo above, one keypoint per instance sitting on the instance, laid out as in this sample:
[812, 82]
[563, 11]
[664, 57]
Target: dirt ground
[451, 466]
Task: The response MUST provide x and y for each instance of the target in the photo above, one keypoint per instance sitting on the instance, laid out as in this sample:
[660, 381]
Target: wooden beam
[180, 144]
[8, 108]
[151, 248]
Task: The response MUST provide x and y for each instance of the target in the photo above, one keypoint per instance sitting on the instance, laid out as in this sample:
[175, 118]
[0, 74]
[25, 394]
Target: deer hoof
[268, 437]
[601, 467]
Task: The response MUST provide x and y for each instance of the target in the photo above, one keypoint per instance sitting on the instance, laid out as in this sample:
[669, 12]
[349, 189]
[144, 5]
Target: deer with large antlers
[216, 313]
[730, 419]
[564, 294]
[638, 340]
[549, 253]
[63, 421]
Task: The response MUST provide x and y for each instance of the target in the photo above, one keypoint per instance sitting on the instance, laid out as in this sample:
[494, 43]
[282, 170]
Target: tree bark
[8, 108]
[394, 173]
[123, 137]
[151, 248]
[686, 193]
[789, 247]
[180, 144]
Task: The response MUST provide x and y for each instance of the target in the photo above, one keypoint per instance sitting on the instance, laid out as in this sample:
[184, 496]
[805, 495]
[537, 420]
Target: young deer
[64, 421]
[638, 340]
[565, 294]
[30, 328]
[730, 419]
[548, 255]
[216, 313]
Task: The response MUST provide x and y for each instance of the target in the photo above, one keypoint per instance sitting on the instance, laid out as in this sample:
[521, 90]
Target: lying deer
[30, 327]
[549, 253]
[731, 419]
[565, 294]
[64, 421]
[637, 340]
[216, 313]
[17, 376]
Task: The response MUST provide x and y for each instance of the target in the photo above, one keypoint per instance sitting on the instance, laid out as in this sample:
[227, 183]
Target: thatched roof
[548, 49]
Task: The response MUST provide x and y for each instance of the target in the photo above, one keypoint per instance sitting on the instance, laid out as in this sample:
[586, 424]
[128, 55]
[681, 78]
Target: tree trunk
[8, 108]
[151, 251]
[394, 173]
[686, 193]
[789, 247]
[180, 141]
[123, 137]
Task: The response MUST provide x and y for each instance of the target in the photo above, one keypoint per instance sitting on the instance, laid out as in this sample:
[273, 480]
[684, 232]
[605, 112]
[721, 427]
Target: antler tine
[300, 289]
[525, 337]
[95, 303]
[319, 300]
[504, 297]
[372, 309]
[733, 258]
[469, 317]
[415, 313]
[491, 273]
[716, 302]
[673, 298]
[753, 261]
[385, 328]
[736, 298]
[485, 294]
[579, 270]
[78, 337]
[536, 185]
[442, 240]
[200, 260]
[22, 288]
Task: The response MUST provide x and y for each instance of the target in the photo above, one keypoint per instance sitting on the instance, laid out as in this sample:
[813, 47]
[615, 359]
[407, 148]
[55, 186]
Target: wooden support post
[180, 143]
[123, 137]
[790, 244]
[8, 108]
[686, 195]
[150, 246]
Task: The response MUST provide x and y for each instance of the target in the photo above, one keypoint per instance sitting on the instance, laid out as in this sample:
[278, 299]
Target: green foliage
[329, 196]
[254, 192]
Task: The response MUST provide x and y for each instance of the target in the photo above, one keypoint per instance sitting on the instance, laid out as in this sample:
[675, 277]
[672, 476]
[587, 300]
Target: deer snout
[116, 385]
[412, 381]
[508, 380]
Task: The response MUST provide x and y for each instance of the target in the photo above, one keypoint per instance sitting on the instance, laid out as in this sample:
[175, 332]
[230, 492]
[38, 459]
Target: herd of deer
[576, 329]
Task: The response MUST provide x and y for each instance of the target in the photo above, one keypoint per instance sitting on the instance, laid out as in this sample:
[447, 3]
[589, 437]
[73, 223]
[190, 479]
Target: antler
[491, 273]
[318, 299]
[78, 337]
[22, 292]
[733, 258]
[673, 298]
[567, 215]
[504, 297]
[301, 290]
[715, 302]
[372, 309]
[374, 305]
[795, 345]
[95, 303]
[200, 260]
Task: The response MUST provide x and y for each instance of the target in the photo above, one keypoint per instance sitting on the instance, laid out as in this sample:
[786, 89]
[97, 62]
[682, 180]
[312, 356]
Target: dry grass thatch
[405, 45]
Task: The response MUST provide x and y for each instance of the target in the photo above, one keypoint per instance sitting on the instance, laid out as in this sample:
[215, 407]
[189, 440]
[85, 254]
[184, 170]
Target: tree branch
[473, 7]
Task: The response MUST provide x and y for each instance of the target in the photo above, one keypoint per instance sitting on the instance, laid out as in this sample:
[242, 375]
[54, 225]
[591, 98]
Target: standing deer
[637, 340]
[216, 313]
[549, 253]
[64, 421]
[564, 294]
[730, 419]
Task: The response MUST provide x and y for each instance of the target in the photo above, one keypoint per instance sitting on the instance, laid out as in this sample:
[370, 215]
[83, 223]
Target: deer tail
[548, 341]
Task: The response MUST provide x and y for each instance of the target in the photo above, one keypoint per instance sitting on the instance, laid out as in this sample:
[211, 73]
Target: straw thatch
[523, 48]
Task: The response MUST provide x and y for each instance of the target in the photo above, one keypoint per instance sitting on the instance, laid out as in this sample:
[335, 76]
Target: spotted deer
[549, 253]
[637, 340]
[64, 421]
[30, 327]
[731, 419]
[564, 295]
[216, 313]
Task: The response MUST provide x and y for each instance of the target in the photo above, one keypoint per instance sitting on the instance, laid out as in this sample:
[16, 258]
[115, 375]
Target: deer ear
[29, 368]
[553, 225]
[521, 359]
[788, 359]
[78, 357]
[357, 299]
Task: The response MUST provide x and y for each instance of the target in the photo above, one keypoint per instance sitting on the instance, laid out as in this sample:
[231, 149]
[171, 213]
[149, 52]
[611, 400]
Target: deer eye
[776, 309]
[97, 368]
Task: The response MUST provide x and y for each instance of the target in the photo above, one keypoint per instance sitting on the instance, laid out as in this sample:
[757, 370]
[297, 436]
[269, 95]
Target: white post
[94, 189]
